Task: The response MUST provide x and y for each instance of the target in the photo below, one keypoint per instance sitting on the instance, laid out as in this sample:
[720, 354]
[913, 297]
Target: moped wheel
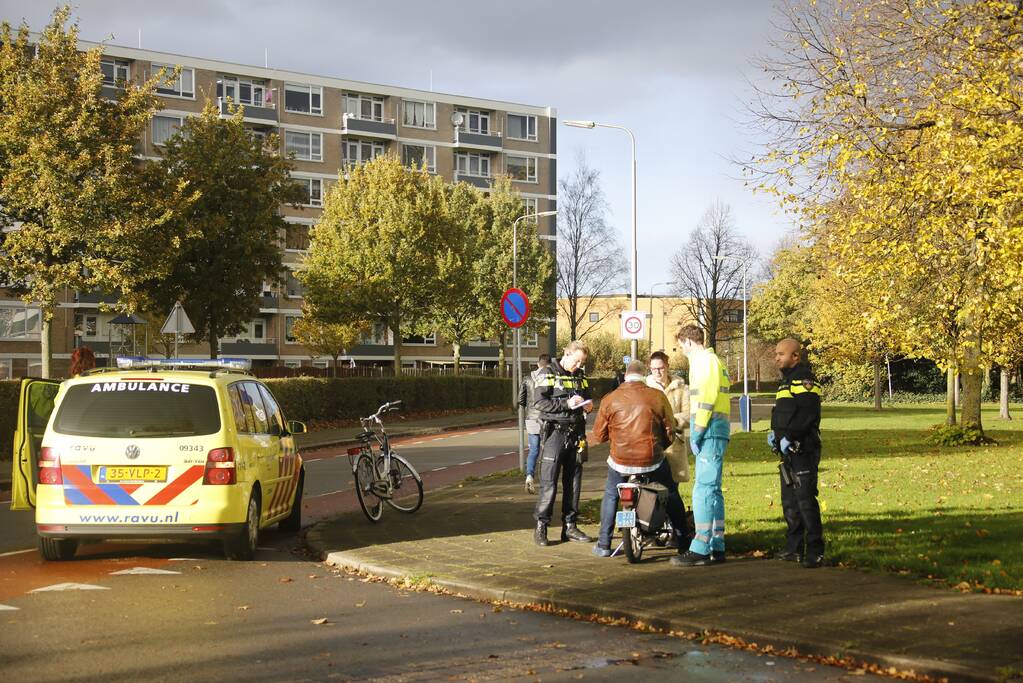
[365, 476]
[633, 540]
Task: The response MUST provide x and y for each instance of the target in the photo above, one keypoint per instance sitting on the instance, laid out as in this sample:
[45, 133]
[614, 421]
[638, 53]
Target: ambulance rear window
[138, 410]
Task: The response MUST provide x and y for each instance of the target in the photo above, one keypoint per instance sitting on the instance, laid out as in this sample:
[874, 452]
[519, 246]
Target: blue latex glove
[785, 445]
[694, 447]
[771, 440]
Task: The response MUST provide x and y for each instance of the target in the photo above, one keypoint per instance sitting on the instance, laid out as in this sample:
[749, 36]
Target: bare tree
[590, 261]
[707, 270]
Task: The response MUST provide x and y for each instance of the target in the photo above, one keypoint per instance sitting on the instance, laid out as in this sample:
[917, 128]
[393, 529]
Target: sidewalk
[475, 539]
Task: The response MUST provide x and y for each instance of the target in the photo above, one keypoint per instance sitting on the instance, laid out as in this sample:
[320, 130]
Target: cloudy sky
[675, 71]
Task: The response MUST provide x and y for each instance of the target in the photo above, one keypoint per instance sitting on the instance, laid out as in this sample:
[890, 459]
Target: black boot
[570, 532]
[540, 535]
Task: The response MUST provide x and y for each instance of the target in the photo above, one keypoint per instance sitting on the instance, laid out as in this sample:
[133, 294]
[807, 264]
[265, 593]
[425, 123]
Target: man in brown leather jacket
[638, 421]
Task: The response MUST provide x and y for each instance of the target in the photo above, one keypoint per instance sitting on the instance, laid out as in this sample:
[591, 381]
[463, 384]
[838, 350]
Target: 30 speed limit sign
[634, 324]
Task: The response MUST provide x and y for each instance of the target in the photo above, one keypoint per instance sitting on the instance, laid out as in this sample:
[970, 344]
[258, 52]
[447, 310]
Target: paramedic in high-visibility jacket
[709, 405]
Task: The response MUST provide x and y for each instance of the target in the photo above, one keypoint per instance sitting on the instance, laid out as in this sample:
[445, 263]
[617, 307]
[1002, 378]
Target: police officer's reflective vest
[797, 407]
[554, 386]
[709, 401]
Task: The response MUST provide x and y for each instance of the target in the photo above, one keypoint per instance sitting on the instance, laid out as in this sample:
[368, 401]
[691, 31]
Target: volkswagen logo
[131, 452]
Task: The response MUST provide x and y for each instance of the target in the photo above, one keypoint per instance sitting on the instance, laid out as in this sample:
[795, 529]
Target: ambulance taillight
[49, 466]
[220, 469]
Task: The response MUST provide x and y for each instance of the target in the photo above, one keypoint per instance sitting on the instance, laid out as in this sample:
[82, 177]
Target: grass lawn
[890, 500]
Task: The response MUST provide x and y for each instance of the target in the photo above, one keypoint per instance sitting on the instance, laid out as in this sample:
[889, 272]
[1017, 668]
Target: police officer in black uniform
[795, 434]
[561, 388]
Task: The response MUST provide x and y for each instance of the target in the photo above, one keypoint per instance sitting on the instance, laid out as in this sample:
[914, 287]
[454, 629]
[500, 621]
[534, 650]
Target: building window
[19, 322]
[181, 85]
[313, 188]
[420, 114]
[289, 329]
[164, 127]
[521, 168]
[305, 146]
[420, 340]
[529, 205]
[360, 151]
[244, 91]
[115, 71]
[732, 316]
[295, 290]
[531, 339]
[476, 121]
[377, 336]
[294, 364]
[296, 237]
[322, 364]
[415, 155]
[364, 107]
[473, 164]
[594, 317]
[86, 325]
[522, 127]
[303, 99]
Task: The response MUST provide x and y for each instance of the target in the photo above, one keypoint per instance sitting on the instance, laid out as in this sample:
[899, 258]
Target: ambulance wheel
[243, 545]
[57, 549]
[293, 522]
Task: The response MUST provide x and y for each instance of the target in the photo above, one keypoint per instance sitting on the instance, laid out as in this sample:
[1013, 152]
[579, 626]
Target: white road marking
[467, 462]
[57, 587]
[490, 457]
[17, 552]
[509, 453]
[184, 559]
[438, 469]
[142, 570]
[8, 608]
[328, 493]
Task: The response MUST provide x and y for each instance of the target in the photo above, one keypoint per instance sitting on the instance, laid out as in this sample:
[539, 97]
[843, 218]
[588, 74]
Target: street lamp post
[632, 138]
[745, 414]
[652, 288]
[517, 353]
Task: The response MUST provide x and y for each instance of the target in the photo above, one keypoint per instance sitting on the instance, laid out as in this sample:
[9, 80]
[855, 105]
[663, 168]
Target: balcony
[268, 301]
[487, 142]
[482, 182]
[250, 113]
[385, 129]
[240, 346]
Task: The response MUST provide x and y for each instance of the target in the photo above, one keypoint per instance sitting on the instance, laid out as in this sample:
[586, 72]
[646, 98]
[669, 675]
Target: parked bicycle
[381, 475]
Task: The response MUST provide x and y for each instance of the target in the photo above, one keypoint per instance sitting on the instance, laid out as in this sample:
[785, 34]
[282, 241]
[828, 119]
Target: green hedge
[307, 398]
[312, 398]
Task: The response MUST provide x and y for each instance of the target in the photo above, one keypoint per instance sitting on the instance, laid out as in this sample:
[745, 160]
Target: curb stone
[938, 669]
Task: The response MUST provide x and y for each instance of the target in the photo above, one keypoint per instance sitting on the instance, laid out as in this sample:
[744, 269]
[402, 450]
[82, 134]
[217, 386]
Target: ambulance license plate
[625, 519]
[133, 474]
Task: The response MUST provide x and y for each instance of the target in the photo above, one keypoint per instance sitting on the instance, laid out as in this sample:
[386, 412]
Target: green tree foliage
[536, 265]
[326, 338]
[380, 249]
[89, 216]
[231, 242]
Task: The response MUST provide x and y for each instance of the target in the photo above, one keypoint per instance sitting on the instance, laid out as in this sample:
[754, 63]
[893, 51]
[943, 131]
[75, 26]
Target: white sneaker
[530, 488]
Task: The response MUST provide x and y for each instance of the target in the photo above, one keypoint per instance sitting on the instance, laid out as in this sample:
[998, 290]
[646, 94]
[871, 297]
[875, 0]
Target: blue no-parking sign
[515, 307]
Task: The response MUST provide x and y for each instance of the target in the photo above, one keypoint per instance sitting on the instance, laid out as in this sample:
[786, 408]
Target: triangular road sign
[177, 322]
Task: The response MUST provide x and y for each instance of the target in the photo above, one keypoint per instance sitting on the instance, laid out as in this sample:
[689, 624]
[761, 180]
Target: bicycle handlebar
[385, 408]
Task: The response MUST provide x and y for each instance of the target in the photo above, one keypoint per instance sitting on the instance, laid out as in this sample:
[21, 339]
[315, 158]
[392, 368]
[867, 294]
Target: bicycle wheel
[365, 476]
[407, 485]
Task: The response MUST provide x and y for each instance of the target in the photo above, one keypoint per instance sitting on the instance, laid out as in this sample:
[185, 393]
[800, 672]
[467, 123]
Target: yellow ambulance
[156, 449]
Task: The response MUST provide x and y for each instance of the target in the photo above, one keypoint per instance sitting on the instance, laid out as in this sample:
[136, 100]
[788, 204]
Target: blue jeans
[534, 451]
[609, 506]
[708, 501]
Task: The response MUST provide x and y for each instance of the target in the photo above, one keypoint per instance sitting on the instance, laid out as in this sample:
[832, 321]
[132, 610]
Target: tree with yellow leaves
[896, 134]
[85, 215]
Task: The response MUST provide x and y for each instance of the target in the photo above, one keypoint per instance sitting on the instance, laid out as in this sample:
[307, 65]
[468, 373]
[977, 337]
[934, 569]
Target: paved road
[204, 618]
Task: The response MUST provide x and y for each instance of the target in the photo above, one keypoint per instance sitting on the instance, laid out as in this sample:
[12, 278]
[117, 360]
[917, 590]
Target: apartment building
[328, 124]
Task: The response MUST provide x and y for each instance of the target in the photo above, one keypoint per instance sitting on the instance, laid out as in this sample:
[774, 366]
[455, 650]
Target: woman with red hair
[82, 359]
